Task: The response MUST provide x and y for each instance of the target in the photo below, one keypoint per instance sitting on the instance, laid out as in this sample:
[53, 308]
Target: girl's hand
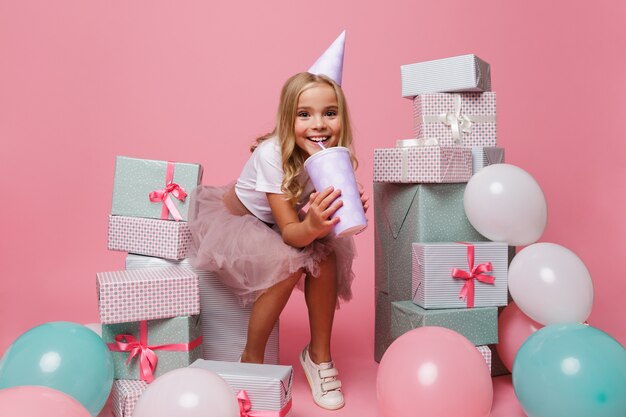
[322, 205]
[364, 198]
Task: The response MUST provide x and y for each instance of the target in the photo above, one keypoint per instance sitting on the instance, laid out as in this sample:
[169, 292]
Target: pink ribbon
[147, 358]
[245, 405]
[475, 272]
[163, 196]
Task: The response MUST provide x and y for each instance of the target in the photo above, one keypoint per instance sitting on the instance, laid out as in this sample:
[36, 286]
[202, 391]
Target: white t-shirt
[263, 173]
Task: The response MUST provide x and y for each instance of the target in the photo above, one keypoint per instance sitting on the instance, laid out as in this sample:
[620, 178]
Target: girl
[257, 239]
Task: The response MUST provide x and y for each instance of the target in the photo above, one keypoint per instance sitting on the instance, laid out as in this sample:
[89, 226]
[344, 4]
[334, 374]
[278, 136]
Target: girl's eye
[331, 113]
[303, 114]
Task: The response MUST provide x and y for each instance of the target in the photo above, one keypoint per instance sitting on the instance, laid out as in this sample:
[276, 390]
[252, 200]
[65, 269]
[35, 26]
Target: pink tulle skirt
[250, 256]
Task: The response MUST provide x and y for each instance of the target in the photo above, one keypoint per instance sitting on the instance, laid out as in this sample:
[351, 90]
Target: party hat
[330, 63]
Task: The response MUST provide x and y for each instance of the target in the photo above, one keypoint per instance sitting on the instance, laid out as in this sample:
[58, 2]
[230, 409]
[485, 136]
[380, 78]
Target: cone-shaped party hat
[331, 61]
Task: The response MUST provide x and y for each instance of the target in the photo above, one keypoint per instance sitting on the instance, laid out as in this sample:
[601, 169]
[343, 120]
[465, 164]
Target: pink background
[84, 81]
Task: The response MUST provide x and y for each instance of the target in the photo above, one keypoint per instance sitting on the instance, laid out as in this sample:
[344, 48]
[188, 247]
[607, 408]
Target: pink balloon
[36, 401]
[188, 392]
[433, 372]
[505, 403]
[514, 327]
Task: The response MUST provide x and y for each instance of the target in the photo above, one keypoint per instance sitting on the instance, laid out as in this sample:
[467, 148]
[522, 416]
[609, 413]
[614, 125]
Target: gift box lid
[146, 294]
[268, 386]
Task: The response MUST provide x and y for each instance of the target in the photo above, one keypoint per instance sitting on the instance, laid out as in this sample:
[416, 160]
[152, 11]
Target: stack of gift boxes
[432, 267]
[160, 313]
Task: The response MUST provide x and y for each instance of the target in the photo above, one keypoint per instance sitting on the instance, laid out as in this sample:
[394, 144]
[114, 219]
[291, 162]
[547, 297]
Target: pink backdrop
[82, 82]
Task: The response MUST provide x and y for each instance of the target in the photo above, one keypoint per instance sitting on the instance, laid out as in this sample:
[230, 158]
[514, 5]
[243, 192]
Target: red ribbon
[245, 405]
[147, 358]
[475, 272]
[163, 196]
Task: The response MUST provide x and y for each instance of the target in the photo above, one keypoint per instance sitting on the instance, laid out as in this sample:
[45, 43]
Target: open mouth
[318, 139]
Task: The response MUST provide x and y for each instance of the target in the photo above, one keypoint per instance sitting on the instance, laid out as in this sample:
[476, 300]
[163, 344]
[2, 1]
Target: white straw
[321, 145]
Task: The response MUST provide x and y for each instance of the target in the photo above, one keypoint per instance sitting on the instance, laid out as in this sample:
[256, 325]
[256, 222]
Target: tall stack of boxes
[431, 264]
[160, 301]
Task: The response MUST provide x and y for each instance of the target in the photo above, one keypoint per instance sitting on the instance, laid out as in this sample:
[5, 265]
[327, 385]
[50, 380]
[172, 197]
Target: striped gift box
[434, 285]
[458, 73]
[147, 294]
[224, 321]
[124, 396]
[464, 119]
[267, 386]
[482, 157]
[422, 164]
[152, 237]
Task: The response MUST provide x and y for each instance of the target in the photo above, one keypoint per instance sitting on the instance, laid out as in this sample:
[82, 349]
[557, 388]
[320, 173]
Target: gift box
[224, 322]
[153, 189]
[486, 352]
[259, 388]
[482, 157]
[161, 238]
[382, 325]
[124, 395]
[462, 119]
[479, 325]
[458, 275]
[458, 73]
[407, 213]
[147, 294]
[174, 343]
[497, 366]
[422, 164]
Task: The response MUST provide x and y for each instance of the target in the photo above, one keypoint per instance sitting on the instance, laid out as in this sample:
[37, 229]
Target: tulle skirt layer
[250, 256]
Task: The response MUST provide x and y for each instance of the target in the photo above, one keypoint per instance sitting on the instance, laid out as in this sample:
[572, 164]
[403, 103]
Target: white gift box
[458, 73]
[267, 386]
[124, 396]
[482, 157]
[435, 284]
[224, 321]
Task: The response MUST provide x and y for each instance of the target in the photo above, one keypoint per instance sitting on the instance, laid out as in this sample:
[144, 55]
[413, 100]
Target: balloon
[550, 284]
[61, 355]
[36, 401]
[514, 327]
[433, 371]
[571, 370]
[188, 392]
[504, 203]
[95, 327]
[505, 403]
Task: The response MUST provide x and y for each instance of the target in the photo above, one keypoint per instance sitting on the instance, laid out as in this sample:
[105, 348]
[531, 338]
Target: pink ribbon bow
[245, 405]
[147, 358]
[475, 272]
[163, 196]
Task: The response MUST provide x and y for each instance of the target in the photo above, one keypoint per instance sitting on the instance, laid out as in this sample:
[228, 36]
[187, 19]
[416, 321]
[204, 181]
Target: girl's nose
[319, 122]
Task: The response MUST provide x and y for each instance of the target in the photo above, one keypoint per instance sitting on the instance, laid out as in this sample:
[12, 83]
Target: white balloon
[504, 203]
[550, 284]
[95, 327]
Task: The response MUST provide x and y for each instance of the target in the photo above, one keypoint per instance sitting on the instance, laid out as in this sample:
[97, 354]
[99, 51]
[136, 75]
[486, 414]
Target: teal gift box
[408, 213]
[479, 325]
[145, 188]
[175, 342]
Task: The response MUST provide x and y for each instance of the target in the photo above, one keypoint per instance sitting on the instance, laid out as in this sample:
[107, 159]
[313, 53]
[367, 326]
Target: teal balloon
[65, 356]
[571, 370]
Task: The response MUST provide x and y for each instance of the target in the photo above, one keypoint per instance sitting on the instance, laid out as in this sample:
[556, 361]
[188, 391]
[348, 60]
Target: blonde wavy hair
[292, 157]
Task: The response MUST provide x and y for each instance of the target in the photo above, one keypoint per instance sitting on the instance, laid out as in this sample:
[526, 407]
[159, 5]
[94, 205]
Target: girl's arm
[316, 223]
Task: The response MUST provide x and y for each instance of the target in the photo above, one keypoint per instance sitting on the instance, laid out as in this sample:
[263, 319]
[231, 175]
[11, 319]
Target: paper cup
[332, 167]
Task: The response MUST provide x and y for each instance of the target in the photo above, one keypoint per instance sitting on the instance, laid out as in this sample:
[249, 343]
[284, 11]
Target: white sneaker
[325, 386]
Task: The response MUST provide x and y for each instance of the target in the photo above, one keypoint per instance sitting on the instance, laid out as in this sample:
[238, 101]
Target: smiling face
[317, 119]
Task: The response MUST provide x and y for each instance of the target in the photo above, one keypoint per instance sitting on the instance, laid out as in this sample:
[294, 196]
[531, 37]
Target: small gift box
[153, 189]
[458, 73]
[486, 352]
[262, 389]
[149, 348]
[463, 119]
[147, 294]
[422, 164]
[124, 396]
[457, 275]
[161, 238]
[482, 157]
[479, 325]
[224, 321]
